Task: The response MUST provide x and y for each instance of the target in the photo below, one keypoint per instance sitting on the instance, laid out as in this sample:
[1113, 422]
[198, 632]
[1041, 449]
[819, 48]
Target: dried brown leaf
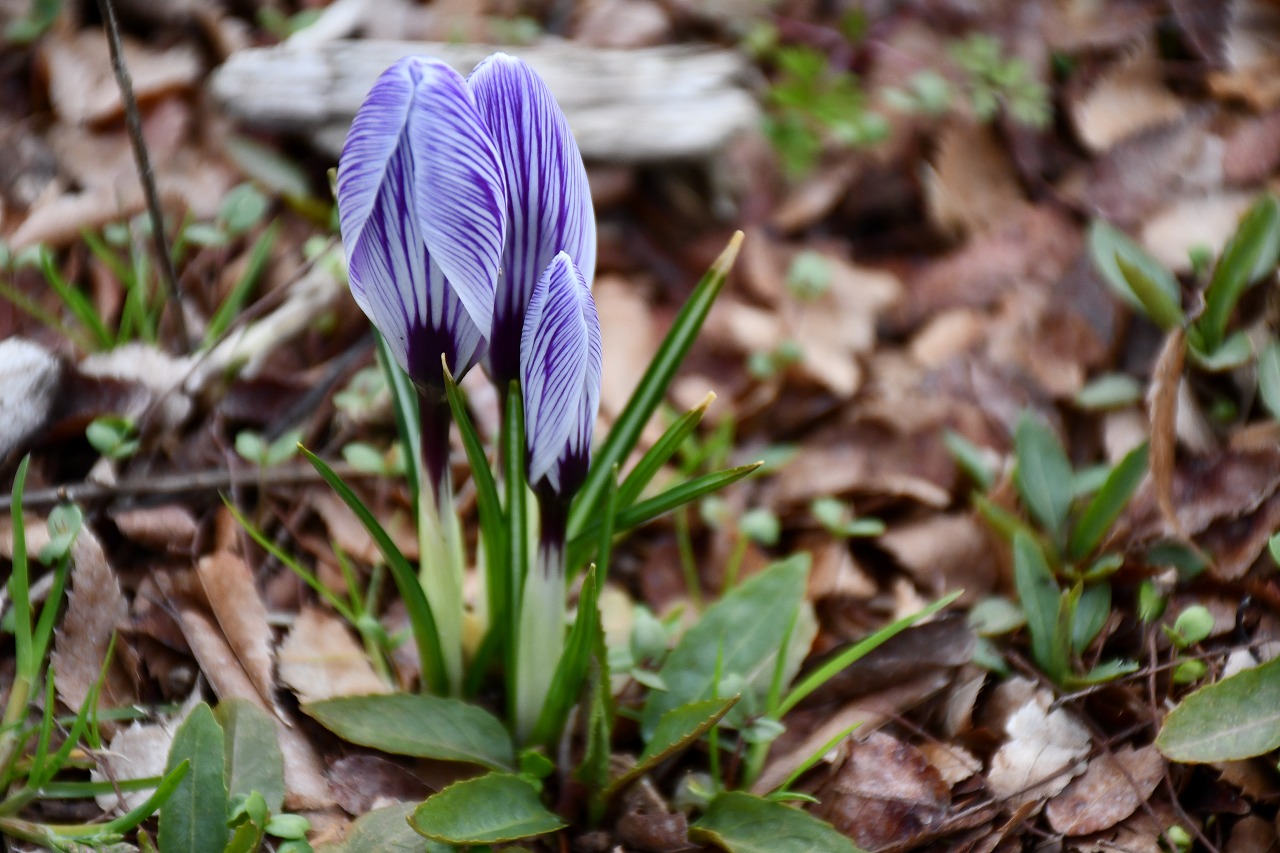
[168, 527]
[1109, 791]
[1128, 99]
[136, 752]
[96, 610]
[320, 659]
[885, 794]
[345, 530]
[233, 596]
[1043, 752]
[1163, 401]
[945, 552]
[361, 783]
[972, 186]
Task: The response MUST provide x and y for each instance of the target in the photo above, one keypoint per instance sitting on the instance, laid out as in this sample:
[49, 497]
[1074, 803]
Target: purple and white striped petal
[427, 285]
[548, 199]
[570, 469]
[459, 190]
[556, 358]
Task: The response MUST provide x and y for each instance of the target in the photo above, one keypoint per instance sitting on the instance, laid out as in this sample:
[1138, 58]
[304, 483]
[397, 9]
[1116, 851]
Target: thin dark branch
[133, 121]
[166, 485]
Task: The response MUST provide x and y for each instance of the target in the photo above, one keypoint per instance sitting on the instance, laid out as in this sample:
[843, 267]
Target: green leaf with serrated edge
[194, 820]
[1250, 254]
[841, 661]
[1090, 614]
[765, 603]
[1110, 391]
[254, 761]
[1269, 377]
[1164, 313]
[418, 725]
[1236, 718]
[1043, 474]
[491, 809]
[1234, 352]
[492, 526]
[1041, 599]
[652, 387]
[658, 455]
[583, 546]
[421, 621]
[387, 830]
[1108, 503]
[742, 823]
[1107, 246]
[676, 731]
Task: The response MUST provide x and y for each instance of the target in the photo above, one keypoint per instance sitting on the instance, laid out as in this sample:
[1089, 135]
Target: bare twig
[133, 121]
[178, 484]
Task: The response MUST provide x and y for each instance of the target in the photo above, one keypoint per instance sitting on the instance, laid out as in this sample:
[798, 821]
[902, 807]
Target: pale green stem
[441, 571]
[541, 637]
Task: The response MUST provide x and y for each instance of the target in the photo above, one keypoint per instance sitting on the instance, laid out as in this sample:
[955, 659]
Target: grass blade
[652, 388]
[423, 623]
[662, 450]
[235, 300]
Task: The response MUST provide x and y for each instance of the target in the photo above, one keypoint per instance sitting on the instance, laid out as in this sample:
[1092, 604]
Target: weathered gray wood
[624, 106]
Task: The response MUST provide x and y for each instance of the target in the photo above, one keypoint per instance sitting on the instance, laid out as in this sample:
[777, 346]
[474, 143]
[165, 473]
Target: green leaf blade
[1043, 475]
[1109, 502]
[194, 819]
[742, 823]
[254, 761]
[1249, 254]
[419, 725]
[492, 809]
[1235, 718]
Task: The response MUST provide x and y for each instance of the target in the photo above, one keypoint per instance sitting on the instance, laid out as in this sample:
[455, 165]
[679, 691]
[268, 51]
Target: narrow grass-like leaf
[421, 622]
[1236, 718]
[582, 546]
[1249, 254]
[1233, 353]
[492, 809]
[663, 449]
[593, 772]
[1269, 377]
[1043, 474]
[404, 407]
[1108, 503]
[25, 303]
[194, 820]
[970, 458]
[841, 661]
[626, 430]
[1042, 600]
[566, 685]
[19, 579]
[77, 303]
[676, 731]
[492, 525]
[742, 823]
[1147, 285]
[419, 725]
[167, 788]
[230, 307]
[817, 755]
[517, 525]
[254, 761]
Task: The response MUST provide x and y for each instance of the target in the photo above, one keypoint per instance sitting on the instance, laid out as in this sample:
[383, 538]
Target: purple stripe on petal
[548, 199]
[554, 356]
[458, 189]
[374, 135]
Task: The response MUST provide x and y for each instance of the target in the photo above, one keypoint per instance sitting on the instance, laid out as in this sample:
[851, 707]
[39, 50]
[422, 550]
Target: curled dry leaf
[96, 610]
[233, 596]
[1109, 791]
[320, 659]
[345, 530]
[136, 752]
[972, 186]
[168, 527]
[945, 552]
[885, 794]
[361, 783]
[1163, 401]
[1042, 754]
[628, 336]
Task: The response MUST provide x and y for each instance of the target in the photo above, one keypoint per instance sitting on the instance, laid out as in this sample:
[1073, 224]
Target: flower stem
[541, 639]
[440, 538]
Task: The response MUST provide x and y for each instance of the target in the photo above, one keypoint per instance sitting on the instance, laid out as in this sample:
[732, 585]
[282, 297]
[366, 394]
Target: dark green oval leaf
[1250, 254]
[1156, 293]
[677, 729]
[194, 819]
[254, 761]
[491, 809]
[1043, 474]
[388, 831]
[741, 823]
[1238, 717]
[419, 725]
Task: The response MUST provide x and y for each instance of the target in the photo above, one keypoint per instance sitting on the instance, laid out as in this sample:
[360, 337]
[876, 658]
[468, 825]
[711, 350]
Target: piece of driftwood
[625, 106]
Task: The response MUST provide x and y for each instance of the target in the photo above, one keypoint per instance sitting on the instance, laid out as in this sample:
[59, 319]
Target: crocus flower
[548, 199]
[423, 212]
[560, 369]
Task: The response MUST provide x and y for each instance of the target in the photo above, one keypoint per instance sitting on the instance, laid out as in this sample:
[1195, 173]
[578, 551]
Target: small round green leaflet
[1238, 717]
[491, 809]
